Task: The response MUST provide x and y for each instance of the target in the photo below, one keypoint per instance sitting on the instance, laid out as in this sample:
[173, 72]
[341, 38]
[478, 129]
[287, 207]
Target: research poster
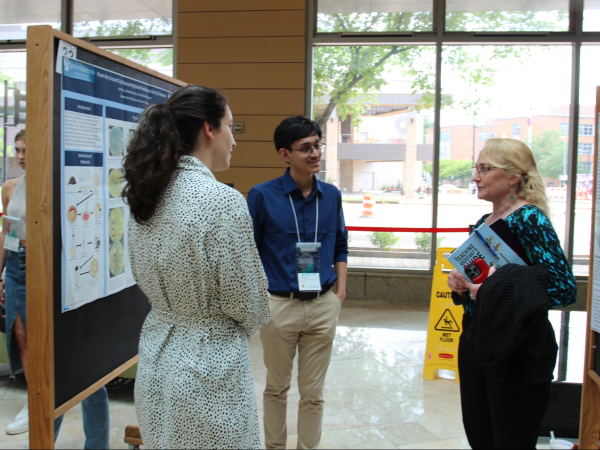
[595, 319]
[100, 111]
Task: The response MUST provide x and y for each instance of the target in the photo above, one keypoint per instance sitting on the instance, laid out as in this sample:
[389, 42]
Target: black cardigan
[510, 321]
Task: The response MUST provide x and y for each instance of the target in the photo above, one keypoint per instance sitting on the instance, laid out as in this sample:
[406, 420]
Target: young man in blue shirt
[303, 244]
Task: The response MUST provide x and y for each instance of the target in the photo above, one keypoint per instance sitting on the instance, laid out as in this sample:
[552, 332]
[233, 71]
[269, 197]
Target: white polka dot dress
[197, 263]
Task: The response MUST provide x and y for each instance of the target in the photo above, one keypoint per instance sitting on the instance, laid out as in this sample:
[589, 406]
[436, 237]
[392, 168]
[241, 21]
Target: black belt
[303, 295]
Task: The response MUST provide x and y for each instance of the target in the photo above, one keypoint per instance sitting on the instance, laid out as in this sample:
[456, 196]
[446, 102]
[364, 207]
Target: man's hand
[341, 293]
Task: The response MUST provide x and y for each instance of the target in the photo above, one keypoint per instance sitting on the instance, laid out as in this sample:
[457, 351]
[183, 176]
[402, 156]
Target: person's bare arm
[7, 190]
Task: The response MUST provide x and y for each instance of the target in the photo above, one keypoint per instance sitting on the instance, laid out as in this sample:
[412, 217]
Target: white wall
[386, 172]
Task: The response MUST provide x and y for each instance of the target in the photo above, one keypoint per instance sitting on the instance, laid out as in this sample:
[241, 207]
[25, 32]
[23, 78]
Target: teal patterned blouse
[539, 240]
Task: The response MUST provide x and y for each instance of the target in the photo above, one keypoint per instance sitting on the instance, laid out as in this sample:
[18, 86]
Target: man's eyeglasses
[307, 149]
[481, 170]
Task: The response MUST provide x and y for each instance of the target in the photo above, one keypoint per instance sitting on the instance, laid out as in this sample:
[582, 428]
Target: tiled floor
[376, 396]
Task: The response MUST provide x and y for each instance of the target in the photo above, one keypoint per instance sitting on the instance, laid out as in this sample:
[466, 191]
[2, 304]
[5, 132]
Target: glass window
[493, 134]
[379, 134]
[564, 129]
[159, 59]
[15, 17]
[93, 18]
[586, 148]
[445, 144]
[484, 15]
[591, 15]
[483, 135]
[502, 89]
[374, 16]
[516, 134]
[588, 80]
[13, 70]
[586, 129]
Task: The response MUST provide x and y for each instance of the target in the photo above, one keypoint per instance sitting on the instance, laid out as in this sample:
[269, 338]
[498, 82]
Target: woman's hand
[474, 288]
[457, 282]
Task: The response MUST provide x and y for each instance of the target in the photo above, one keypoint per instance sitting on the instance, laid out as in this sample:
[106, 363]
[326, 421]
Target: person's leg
[21, 337]
[517, 409]
[16, 316]
[57, 424]
[314, 355]
[96, 420]
[279, 339]
[477, 419]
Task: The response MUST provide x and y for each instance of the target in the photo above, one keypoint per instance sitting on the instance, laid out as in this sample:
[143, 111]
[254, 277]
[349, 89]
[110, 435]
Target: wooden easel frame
[40, 79]
[589, 430]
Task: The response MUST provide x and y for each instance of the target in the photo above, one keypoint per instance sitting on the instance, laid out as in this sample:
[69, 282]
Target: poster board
[73, 353]
[589, 430]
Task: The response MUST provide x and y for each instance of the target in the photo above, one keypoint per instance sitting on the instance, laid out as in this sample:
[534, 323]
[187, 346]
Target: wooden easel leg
[133, 437]
[589, 430]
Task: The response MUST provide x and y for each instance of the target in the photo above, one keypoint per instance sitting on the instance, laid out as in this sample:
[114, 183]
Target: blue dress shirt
[275, 229]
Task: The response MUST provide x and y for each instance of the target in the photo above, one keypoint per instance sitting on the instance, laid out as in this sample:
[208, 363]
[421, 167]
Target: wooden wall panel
[289, 102]
[240, 5]
[241, 23]
[244, 75]
[245, 179]
[256, 154]
[237, 50]
[256, 127]
[255, 50]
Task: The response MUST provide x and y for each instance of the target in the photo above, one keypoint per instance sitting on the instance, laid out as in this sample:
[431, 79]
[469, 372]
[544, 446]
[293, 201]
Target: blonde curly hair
[516, 158]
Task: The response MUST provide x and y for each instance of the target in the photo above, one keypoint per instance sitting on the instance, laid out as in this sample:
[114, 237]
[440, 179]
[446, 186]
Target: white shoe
[21, 423]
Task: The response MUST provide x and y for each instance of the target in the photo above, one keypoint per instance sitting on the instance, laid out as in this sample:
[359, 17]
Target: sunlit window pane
[159, 59]
[119, 18]
[502, 91]
[376, 116]
[15, 17]
[588, 80]
[374, 15]
[13, 72]
[491, 15]
[591, 15]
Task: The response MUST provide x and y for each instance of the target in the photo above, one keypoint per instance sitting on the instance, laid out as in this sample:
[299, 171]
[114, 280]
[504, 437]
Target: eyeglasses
[481, 170]
[307, 149]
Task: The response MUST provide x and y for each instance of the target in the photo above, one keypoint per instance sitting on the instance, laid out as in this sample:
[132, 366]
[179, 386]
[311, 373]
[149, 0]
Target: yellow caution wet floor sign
[445, 323]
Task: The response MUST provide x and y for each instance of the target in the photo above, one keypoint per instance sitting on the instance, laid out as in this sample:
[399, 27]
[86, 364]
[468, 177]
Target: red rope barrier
[410, 230]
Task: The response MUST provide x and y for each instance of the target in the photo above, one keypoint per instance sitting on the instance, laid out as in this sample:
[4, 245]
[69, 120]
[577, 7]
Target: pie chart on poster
[116, 259]
[115, 224]
[115, 141]
[115, 183]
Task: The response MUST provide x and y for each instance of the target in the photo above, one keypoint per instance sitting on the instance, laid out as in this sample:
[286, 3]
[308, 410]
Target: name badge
[308, 266]
[309, 282]
[11, 241]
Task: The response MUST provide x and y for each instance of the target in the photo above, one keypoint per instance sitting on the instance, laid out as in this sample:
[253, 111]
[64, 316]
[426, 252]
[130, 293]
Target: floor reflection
[376, 396]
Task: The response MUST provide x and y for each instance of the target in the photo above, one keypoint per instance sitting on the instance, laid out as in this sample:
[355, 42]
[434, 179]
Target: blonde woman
[505, 383]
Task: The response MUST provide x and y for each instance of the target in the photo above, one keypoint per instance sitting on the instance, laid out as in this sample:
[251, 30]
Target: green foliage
[549, 151]
[136, 27]
[383, 239]
[423, 241]
[347, 76]
[461, 169]
[143, 56]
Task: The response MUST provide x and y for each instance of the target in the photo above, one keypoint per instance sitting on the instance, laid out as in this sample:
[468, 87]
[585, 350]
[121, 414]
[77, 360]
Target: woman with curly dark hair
[192, 253]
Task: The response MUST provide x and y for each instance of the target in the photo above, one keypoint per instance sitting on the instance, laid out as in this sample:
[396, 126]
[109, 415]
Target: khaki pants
[309, 325]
